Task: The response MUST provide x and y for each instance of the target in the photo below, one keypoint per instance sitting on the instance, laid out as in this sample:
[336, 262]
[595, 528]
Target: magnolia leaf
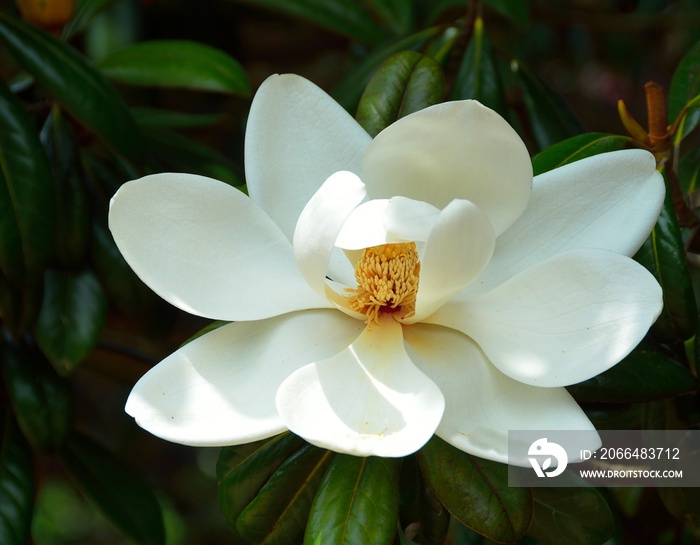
[19, 307]
[577, 148]
[357, 502]
[476, 492]
[85, 12]
[177, 64]
[516, 10]
[689, 171]
[685, 85]
[166, 119]
[405, 83]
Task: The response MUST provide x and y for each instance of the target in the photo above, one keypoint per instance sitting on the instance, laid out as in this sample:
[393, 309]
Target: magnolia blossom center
[387, 281]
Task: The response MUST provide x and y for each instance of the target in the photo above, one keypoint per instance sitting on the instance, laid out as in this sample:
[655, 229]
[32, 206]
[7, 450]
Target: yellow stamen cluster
[387, 281]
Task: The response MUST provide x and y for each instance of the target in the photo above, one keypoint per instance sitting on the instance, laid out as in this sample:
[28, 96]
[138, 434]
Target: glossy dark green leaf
[476, 492]
[685, 85]
[177, 64]
[16, 483]
[122, 497]
[689, 171]
[575, 516]
[242, 474]
[39, 397]
[71, 317]
[664, 255]
[278, 514]
[346, 17]
[166, 119]
[85, 12]
[358, 502]
[74, 83]
[551, 120]
[19, 307]
[477, 76]
[423, 517]
[644, 375]
[405, 83]
[26, 196]
[577, 148]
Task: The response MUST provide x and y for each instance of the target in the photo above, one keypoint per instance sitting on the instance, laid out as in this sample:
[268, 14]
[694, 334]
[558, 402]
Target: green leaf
[685, 85]
[85, 12]
[477, 76]
[689, 171]
[577, 148]
[39, 397]
[19, 307]
[644, 375]
[575, 516]
[177, 64]
[278, 514]
[551, 120]
[476, 492]
[358, 502]
[71, 318]
[166, 119]
[517, 10]
[397, 15]
[663, 254]
[405, 83]
[16, 483]
[74, 83]
[346, 17]
[242, 474]
[26, 196]
[121, 496]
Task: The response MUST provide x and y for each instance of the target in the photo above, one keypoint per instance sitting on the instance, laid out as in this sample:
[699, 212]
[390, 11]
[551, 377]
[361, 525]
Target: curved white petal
[454, 150]
[562, 321]
[408, 219]
[220, 388]
[609, 201]
[364, 226]
[320, 222]
[481, 403]
[368, 400]
[206, 248]
[458, 248]
[296, 137]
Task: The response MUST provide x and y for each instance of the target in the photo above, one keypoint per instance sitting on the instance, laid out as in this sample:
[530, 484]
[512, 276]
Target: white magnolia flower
[382, 291]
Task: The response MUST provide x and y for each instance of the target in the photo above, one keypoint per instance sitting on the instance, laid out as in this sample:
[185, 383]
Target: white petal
[454, 150]
[408, 219]
[296, 137]
[457, 250]
[562, 321]
[364, 227]
[320, 222]
[220, 388]
[206, 248]
[609, 201]
[368, 400]
[481, 403]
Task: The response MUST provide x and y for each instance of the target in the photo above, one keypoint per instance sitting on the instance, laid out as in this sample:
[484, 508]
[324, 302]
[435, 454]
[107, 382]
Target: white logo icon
[541, 448]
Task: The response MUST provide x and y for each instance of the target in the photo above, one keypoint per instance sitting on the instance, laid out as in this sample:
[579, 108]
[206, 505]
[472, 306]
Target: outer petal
[297, 136]
[481, 403]
[369, 400]
[562, 321]
[219, 389]
[208, 249]
[454, 150]
[610, 201]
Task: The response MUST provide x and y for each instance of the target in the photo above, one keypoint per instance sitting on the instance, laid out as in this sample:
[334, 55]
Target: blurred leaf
[644, 375]
[551, 119]
[85, 12]
[682, 503]
[74, 83]
[26, 196]
[242, 477]
[357, 502]
[278, 514]
[476, 492]
[576, 148]
[477, 76]
[663, 254]
[179, 64]
[121, 496]
[405, 83]
[397, 15]
[346, 17]
[39, 397]
[19, 307]
[165, 119]
[517, 10]
[16, 483]
[689, 171]
[71, 318]
[685, 85]
[183, 154]
[575, 516]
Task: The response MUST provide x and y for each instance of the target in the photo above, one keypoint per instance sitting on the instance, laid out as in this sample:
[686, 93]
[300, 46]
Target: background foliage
[121, 88]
